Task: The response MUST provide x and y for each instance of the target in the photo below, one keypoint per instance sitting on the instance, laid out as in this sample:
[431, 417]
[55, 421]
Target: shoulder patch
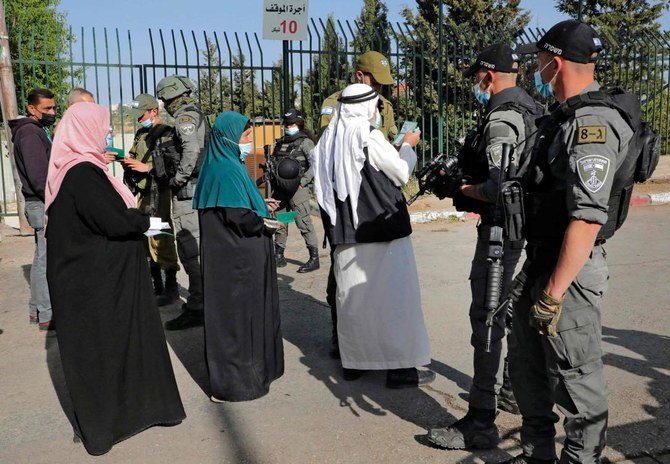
[327, 110]
[494, 153]
[591, 134]
[593, 170]
[187, 129]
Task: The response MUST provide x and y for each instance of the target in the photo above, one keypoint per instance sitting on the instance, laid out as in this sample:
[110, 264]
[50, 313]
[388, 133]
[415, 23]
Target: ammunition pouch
[511, 196]
[186, 191]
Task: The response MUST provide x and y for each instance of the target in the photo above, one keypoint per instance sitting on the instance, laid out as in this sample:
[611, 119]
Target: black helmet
[288, 168]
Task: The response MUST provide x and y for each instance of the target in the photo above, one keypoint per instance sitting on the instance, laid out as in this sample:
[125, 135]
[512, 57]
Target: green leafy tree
[330, 71]
[38, 32]
[372, 28]
[632, 58]
[439, 93]
[245, 95]
[214, 90]
[623, 18]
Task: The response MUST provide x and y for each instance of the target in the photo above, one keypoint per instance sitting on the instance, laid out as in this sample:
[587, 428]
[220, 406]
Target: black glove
[447, 186]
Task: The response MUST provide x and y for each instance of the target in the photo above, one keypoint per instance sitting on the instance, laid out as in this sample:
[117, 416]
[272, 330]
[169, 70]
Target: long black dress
[243, 341]
[115, 359]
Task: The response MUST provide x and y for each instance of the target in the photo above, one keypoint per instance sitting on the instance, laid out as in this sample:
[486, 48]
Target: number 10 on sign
[285, 20]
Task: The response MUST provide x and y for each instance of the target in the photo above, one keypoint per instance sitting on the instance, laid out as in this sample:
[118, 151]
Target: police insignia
[327, 110]
[187, 129]
[495, 154]
[593, 170]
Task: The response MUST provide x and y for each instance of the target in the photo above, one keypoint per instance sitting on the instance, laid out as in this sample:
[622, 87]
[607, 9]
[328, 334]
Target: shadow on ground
[306, 323]
[652, 363]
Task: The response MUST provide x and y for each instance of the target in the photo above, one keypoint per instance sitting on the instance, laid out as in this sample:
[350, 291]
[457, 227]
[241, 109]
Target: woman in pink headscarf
[112, 346]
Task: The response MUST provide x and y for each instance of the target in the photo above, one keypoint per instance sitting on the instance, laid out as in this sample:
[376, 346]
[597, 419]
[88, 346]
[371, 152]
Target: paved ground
[311, 415]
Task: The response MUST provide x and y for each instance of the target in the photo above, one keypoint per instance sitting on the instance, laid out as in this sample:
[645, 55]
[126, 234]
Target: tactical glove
[545, 313]
[447, 187]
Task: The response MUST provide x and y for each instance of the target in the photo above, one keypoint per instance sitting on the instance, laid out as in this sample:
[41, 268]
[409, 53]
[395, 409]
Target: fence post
[10, 111]
[286, 78]
[440, 91]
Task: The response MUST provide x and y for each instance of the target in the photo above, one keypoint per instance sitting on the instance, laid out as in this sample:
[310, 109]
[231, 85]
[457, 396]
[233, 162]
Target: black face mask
[48, 119]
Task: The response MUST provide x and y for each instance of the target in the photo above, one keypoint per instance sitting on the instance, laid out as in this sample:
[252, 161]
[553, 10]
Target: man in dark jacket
[32, 148]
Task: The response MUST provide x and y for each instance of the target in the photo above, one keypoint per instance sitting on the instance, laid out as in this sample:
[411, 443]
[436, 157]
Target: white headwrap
[338, 158]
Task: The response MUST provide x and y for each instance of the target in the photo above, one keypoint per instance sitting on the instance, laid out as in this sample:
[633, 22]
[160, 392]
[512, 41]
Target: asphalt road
[311, 415]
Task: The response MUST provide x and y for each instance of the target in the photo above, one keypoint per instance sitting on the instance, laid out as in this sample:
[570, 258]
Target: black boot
[187, 319]
[476, 430]
[313, 263]
[279, 256]
[408, 378]
[157, 278]
[171, 293]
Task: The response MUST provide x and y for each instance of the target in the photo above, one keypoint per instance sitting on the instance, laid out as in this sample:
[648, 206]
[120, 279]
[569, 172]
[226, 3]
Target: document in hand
[408, 126]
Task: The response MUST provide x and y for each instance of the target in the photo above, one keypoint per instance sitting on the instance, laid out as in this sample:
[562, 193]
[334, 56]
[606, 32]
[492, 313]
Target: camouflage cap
[376, 64]
[140, 104]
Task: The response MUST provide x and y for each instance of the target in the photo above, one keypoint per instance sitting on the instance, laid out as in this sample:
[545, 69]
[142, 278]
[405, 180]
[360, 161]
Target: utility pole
[10, 110]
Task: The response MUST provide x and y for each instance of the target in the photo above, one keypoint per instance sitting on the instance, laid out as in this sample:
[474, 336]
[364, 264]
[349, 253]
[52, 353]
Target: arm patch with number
[591, 134]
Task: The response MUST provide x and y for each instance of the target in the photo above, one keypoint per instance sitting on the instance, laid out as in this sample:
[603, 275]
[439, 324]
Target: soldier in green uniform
[297, 143]
[373, 69]
[154, 194]
[191, 133]
[573, 204]
[508, 115]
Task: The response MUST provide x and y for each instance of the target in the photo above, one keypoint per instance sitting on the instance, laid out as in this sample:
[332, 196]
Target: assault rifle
[497, 236]
[435, 175]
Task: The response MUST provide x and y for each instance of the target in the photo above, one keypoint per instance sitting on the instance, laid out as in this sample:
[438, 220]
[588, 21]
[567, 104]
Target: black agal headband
[360, 98]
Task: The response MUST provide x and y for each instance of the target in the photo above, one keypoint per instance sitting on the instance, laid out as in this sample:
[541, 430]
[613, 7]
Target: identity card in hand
[408, 126]
[156, 226]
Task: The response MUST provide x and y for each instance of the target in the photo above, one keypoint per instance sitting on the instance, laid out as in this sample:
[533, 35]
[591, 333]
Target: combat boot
[186, 320]
[476, 430]
[171, 292]
[157, 278]
[313, 263]
[279, 257]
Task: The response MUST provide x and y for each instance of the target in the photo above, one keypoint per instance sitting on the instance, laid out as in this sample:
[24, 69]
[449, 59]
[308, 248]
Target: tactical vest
[546, 209]
[473, 160]
[286, 152]
[382, 211]
[159, 132]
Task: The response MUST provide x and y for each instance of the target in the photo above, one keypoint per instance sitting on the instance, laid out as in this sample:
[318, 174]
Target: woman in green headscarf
[243, 339]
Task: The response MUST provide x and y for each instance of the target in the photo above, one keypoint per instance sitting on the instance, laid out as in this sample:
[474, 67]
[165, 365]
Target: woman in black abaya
[243, 340]
[115, 359]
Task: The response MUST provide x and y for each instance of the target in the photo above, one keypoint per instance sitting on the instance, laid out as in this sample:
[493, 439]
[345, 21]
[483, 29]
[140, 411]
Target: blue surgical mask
[291, 130]
[147, 124]
[482, 97]
[546, 90]
[245, 149]
[376, 122]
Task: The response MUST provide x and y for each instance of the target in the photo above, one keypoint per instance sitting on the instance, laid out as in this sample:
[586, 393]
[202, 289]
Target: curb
[422, 217]
[651, 199]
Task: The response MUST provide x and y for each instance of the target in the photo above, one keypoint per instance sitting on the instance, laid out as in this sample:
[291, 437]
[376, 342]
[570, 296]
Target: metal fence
[241, 71]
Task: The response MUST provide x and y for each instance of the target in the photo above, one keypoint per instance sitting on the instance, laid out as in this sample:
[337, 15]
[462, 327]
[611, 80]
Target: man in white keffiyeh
[358, 175]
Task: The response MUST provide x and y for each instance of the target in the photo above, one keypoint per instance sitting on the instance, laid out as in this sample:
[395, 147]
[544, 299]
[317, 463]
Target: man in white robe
[358, 175]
